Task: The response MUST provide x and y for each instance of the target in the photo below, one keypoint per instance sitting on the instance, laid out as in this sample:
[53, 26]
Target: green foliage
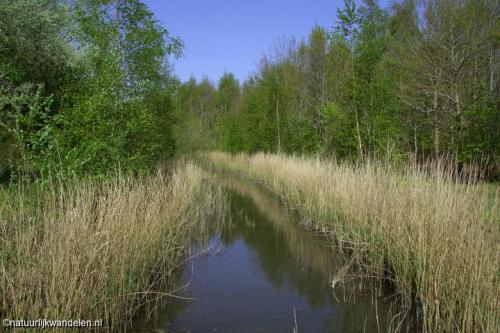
[195, 111]
[27, 122]
[34, 45]
[85, 86]
[406, 80]
[340, 129]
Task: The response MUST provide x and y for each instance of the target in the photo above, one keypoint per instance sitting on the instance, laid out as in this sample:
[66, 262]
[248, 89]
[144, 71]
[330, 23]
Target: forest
[413, 79]
[380, 132]
[87, 85]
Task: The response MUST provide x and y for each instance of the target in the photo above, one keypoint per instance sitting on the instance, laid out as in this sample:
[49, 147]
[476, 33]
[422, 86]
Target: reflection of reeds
[436, 237]
[306, 249]
[91, 250]
[296, 326]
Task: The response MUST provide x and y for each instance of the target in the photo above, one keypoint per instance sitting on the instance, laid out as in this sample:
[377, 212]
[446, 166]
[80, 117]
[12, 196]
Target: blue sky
[232, 35]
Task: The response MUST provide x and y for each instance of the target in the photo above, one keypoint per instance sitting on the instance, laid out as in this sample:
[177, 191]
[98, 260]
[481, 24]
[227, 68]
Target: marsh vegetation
[267, 271]
[99, 250]
[433, 236]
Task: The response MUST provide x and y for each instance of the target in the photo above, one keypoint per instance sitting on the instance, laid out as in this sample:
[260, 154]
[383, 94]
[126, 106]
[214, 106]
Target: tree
[447, 65]
[348, 27]
[196, 111]
[36, 64]
[226, 104]
[114, 117]
[85, 85]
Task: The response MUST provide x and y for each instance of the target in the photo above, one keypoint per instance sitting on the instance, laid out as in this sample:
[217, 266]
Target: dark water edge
[265, 272]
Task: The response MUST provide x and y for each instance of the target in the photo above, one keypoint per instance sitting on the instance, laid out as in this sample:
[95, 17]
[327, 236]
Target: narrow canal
[265, 272]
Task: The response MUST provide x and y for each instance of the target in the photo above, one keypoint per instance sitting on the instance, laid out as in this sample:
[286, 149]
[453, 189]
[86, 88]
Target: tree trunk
[436, 140]
[359, 135]
[278, 123]
[436, 127]
[358, 132]
[491, 72]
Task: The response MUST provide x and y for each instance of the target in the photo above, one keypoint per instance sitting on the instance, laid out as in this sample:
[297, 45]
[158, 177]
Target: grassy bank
[98, 250]
[437, 239]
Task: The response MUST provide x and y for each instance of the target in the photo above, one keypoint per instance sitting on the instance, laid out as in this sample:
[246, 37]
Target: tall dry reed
[436, 238]
[97, 250]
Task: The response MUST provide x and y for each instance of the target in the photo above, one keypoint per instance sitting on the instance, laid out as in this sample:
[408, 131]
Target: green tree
[37, 62]
[122, 112]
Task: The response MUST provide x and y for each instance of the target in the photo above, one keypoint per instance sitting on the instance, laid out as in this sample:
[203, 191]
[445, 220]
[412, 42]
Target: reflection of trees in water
[288, 252]
[284, 248]
[290, 255]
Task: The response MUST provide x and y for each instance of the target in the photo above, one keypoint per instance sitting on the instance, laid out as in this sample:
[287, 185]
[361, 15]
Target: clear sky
[232, 35]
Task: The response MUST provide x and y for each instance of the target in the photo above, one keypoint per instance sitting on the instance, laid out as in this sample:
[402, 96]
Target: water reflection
[267, 273]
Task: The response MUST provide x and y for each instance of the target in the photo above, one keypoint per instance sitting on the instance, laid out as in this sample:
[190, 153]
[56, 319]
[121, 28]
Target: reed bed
[87, 249]
[435, 238]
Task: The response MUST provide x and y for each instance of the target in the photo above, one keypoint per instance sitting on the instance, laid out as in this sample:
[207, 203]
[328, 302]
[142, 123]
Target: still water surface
[265, 272]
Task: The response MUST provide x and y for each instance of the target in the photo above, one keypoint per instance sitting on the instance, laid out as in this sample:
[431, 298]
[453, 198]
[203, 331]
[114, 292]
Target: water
[267, 273]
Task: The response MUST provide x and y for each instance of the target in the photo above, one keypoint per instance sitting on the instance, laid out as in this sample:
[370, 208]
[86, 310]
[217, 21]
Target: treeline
[84, 86]
[418, 77]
